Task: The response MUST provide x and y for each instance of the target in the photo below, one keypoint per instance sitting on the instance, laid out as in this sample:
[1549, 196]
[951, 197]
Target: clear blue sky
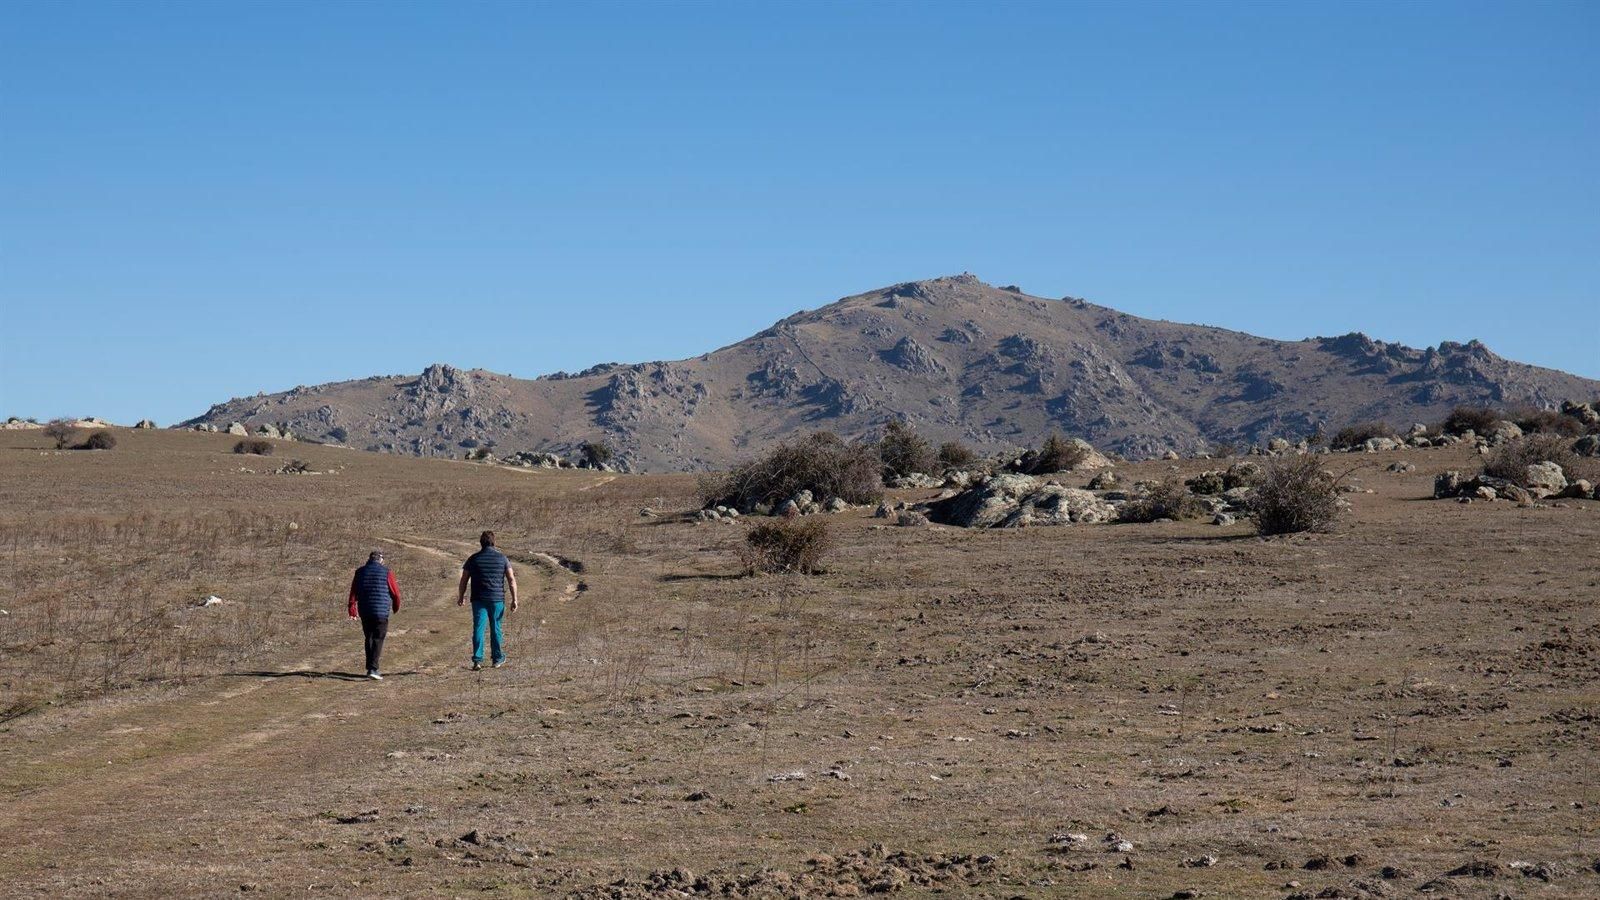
[199, 201]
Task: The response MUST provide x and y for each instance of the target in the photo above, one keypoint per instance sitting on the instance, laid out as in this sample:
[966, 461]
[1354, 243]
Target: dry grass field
[1407, 704]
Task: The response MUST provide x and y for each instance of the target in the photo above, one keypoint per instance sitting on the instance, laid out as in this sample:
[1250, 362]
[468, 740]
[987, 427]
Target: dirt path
[201, 752]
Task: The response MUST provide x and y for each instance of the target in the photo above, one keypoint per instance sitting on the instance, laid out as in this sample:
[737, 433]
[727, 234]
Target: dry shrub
[1294, 495]
[258, 446]
[1057, 455]
[1546, 421]
[1476, 419]
[786, 545]
[100, 440]
[956, 455]
[1359, 433]
[1167, 499]
[821, 463]
[903, 451]
[1512, 459]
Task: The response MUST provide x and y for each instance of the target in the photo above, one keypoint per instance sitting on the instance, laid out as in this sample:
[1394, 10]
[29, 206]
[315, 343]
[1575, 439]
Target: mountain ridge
[958, 358]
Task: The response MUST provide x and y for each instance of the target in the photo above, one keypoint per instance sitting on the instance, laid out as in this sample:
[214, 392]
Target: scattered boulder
[882, 512]
[1545, 477]
[835, 504]
[238, 428]
[145, 424]
[1170, 454]
[1401, 467]
[1380, 444]
[1588, 445]
[1104, 481]
[1242, 474]
[269, 431]
[1578, 490]
[1223, 518]
[910, 519]
[1449, 484]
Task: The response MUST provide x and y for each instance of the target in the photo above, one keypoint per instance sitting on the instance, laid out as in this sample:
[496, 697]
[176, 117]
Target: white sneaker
[374, 676]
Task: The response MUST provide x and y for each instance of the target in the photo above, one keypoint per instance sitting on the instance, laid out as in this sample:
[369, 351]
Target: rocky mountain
[958, 358]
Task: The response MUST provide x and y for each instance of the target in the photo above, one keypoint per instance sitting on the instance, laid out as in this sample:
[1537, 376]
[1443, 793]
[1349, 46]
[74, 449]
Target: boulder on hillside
[238, 428]
[1588, 445]
[145, 424]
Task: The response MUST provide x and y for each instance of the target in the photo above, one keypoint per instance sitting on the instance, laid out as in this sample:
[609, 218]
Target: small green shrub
[1294, 494]
[595, 453]
[257, 446]
[786, 545]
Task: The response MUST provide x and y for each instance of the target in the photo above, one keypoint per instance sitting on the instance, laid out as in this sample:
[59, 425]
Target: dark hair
[486, 539]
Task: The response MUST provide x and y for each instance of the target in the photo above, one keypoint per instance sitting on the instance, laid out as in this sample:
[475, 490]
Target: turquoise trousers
[486, 617]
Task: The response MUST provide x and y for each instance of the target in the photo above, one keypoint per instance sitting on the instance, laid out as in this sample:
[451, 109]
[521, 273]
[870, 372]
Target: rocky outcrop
[1016, 501]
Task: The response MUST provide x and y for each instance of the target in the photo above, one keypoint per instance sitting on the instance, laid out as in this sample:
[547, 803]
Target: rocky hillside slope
[958, 358]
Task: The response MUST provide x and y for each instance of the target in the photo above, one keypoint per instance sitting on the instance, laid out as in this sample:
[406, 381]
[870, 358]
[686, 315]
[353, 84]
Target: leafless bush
[100, 440]
[822, 463]
[956, 455]
[786, 546]
[1512, 459]
[60, 431]
[1295, 494]
[1476, 419]
[1360, 433]
[1546, 421]
[903, 451]
[257, 446]
[1167, 499]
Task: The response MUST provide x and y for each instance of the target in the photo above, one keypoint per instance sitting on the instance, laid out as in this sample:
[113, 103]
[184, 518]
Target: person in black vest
[491, 577]
[374, 595]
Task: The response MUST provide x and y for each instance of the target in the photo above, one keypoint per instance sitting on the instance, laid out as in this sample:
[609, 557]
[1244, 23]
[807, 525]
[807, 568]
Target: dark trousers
[375, 630]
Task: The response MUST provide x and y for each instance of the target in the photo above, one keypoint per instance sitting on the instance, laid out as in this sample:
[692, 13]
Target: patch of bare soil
[1177, 709]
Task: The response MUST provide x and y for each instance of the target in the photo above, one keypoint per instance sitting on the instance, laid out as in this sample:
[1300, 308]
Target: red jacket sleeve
[352, 595]
[394, 591]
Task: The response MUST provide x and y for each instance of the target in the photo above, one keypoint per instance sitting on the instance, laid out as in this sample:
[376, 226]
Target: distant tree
[903, 451]
[60, 431]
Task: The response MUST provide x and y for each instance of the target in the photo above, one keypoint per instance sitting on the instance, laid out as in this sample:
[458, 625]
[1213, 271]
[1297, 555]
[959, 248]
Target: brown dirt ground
[1416, 691]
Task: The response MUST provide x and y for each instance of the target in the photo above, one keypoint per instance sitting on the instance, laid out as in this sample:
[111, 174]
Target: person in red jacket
[374, 596]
